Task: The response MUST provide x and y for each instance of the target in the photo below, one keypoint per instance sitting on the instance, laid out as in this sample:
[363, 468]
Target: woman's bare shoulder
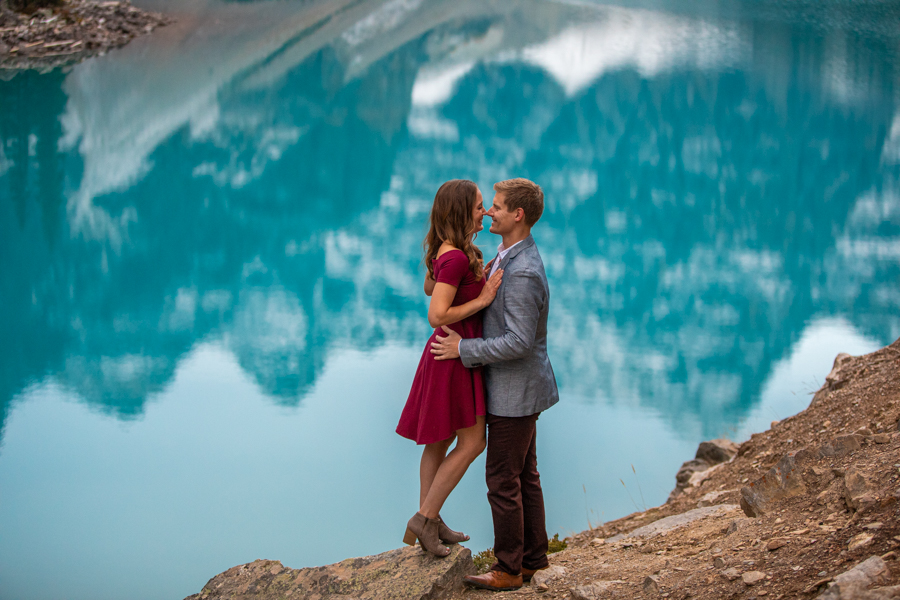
[445, 248]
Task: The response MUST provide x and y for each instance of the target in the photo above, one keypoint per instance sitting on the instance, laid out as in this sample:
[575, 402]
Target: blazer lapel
[529, 241]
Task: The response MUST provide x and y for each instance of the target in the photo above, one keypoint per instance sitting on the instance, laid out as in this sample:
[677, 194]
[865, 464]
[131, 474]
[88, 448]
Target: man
[520, 384]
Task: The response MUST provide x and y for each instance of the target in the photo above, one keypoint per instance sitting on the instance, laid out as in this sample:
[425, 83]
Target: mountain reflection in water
[259, 175]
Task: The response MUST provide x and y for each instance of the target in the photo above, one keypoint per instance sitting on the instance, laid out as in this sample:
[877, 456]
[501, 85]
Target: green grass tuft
[484, 559]
[556, 544]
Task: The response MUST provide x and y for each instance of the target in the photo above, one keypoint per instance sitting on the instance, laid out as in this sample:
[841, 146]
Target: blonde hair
[525, 194]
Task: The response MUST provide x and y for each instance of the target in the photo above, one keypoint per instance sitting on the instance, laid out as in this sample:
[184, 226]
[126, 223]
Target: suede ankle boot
[426, 530]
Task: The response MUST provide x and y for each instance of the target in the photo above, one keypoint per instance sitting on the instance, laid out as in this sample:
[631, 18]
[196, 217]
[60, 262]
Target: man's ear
[520, 214]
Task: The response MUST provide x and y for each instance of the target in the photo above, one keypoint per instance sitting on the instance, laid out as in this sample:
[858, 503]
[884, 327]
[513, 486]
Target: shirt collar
[503, 251]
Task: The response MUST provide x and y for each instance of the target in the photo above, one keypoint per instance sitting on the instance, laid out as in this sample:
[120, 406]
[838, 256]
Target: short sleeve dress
[445, 395]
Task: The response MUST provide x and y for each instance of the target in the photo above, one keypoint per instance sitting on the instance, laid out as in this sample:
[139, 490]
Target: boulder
[852, 584]
[781, 481]
[709, 454]
[716, 451]
[675, 521]
[403, 574]
[858, 492]
[688, 469]
[836, 379]
[651, 584]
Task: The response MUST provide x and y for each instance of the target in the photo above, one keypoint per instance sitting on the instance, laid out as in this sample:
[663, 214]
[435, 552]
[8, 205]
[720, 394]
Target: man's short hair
[525, 194]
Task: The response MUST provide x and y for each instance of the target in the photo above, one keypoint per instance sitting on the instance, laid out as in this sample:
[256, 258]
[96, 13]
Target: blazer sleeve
[523, 300]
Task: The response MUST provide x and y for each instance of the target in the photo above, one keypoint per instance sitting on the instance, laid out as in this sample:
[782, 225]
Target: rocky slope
[70, 32]
[807, 509]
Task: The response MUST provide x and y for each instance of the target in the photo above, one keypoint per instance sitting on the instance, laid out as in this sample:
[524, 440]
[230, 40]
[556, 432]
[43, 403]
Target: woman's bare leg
[432, 457]
[470, 443]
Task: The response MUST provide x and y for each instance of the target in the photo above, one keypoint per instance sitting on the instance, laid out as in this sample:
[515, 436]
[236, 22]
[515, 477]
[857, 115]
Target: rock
[542, 587]
[674, 522]
[836, 379]
[753, 577]
[731, 573]
[776, 543]
[852, 583]
[710, 498]
[858, 492]
[716, 451]
[781, 481]
[597, 542]
[688, 468]
[545, 576]
[709, 454]
[859, 541]
[719, 562]
[701, 476]
[863, 431]
[870, 571]
[594, 591]
[840, 446]
[881, 438]
[407, 573]
[651, 584]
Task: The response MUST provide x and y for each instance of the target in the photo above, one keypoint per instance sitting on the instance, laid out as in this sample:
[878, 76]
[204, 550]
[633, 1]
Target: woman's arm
[441, 313]
[429, 285]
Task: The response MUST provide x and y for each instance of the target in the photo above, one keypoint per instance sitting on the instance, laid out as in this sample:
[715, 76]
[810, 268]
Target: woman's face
[478, 213]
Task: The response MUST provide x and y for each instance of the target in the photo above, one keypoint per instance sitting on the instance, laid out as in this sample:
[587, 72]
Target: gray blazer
[518, 375]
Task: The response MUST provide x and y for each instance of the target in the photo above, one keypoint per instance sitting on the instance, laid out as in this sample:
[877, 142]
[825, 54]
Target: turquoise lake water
[211, 306]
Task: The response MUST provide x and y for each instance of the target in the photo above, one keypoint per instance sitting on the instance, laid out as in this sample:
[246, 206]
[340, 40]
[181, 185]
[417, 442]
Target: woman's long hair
[451, 222]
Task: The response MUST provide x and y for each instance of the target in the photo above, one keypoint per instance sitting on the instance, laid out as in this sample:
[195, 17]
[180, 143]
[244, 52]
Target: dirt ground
[845, 509]
[69, 33]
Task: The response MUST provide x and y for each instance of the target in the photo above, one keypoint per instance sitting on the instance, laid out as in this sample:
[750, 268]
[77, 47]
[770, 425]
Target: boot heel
[409, 538]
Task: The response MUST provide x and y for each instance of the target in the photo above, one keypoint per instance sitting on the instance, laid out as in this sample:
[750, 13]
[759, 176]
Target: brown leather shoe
[527, 574]
[496, 581]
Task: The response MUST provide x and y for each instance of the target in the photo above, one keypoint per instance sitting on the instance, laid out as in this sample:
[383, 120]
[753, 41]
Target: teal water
[211, 262]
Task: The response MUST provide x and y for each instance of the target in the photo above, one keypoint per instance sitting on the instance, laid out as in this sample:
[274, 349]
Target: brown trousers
[515, 495]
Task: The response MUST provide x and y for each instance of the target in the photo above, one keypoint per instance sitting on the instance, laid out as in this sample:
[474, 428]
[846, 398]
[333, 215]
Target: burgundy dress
[446, 396]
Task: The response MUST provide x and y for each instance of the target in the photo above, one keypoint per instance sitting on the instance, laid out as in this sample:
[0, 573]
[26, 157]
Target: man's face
[502, 221]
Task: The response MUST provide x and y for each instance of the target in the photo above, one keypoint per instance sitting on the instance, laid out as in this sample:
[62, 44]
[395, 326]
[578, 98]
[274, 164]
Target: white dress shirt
[502, 251]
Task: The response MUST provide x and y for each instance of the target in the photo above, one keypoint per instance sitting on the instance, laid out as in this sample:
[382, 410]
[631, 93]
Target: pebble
[859, 541]
[753, 577]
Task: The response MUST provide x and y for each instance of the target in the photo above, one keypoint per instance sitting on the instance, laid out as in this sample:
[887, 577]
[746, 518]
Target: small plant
[555, 544]
[483, 561]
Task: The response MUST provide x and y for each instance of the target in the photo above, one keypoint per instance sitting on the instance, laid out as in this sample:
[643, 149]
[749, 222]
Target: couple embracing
[484, 374]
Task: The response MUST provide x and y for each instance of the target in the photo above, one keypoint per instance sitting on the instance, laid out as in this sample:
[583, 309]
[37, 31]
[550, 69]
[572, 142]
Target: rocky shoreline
[808, 509]
[69, 33]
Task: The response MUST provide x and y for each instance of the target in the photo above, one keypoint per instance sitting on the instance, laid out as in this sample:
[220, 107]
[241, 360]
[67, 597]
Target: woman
[446, 401]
